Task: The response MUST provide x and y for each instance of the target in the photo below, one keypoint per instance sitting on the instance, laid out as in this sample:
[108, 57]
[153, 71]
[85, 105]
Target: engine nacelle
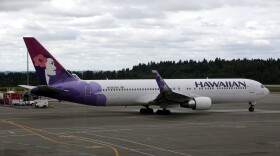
[198, 103]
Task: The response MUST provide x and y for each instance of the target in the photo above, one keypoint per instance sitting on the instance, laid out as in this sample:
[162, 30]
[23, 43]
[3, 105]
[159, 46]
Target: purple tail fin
[49, 70]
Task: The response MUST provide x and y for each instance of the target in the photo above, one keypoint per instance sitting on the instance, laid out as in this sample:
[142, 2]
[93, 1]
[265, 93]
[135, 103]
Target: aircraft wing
[167, 96]
[147, 99]
[173, 96]
[44, 88]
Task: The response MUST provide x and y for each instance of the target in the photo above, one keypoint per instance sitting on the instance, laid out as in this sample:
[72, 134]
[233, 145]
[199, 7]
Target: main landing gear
[146, 110]
[163, 112]
[252, 105]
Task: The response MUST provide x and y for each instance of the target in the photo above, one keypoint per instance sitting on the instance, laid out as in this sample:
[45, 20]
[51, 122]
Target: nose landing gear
[252, 105]
[251, 109]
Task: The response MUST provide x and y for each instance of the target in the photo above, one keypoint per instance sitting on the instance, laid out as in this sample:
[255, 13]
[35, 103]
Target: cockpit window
[262, 86]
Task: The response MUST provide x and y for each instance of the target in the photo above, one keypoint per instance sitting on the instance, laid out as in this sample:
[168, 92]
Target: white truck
[21, 102]
[1, 98]
[41, 103]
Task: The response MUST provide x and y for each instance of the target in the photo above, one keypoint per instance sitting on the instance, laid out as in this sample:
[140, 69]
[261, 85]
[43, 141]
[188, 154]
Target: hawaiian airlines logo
[217, 84]
[47, 64]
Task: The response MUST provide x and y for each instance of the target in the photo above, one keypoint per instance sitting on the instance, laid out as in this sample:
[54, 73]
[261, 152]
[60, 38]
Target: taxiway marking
[32, 130]
[134, 142]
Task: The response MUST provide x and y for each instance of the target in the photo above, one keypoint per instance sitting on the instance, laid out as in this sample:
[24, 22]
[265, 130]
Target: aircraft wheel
[167, 112]
[143, 111]
[146, 111]
[150, 111]
[163, 112]
[159, 112]
[251, 109]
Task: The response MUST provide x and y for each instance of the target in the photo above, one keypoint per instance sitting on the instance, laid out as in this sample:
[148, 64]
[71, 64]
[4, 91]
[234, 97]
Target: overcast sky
[116, 34]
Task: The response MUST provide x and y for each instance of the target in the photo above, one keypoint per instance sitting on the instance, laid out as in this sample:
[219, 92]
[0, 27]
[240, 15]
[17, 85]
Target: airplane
[197, 94]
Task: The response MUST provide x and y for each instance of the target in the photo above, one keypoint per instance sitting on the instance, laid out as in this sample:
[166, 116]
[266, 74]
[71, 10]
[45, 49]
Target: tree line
[264, 71]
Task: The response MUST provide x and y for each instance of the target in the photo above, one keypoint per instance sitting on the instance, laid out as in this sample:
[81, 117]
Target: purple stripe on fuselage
[80, 91]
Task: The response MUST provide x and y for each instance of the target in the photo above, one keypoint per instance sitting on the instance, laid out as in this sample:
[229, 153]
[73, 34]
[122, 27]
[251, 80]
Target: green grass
[274, 89]
[19, 89]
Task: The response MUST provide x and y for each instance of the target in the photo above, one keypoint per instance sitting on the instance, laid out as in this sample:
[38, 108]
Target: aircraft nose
[266, 91]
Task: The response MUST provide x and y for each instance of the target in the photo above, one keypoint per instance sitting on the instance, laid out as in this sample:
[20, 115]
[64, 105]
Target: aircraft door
[88, 90]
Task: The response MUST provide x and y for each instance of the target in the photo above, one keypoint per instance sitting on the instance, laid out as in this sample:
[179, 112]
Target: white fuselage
[139, 92]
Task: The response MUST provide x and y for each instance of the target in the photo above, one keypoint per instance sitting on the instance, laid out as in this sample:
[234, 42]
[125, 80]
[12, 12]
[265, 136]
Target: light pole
[27, 74]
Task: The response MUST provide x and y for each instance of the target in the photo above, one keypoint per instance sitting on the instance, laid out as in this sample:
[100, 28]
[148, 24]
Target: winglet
[161, 83]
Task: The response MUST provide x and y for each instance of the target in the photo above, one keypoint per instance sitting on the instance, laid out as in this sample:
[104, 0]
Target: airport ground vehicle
[41, 103]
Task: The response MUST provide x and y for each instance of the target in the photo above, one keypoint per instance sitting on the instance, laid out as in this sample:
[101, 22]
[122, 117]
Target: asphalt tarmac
[67, 129]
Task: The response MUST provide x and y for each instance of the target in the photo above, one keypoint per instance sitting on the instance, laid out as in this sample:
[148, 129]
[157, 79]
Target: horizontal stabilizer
[27, 86]
[50, 89]
[45, 88]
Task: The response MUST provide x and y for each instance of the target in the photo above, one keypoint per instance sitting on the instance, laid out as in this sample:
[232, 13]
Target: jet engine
[198, 103]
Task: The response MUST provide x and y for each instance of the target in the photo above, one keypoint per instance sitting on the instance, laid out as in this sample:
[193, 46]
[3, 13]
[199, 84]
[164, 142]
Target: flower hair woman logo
[40, 61]
[47, 63]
